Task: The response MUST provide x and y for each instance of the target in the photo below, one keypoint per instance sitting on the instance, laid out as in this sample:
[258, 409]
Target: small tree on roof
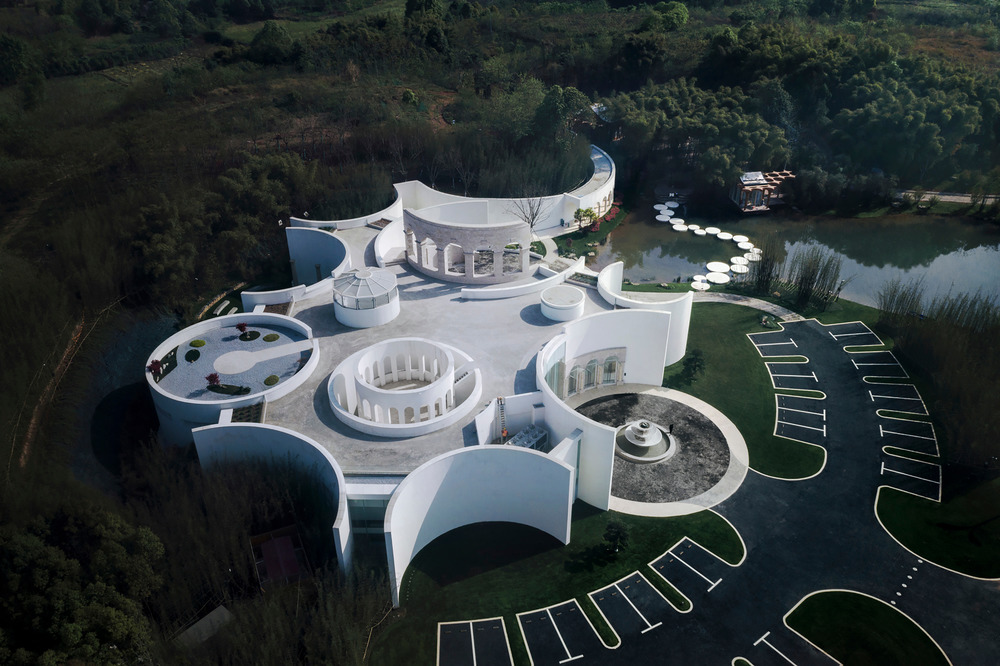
[213, 379]
[155, 366]
[241, 327]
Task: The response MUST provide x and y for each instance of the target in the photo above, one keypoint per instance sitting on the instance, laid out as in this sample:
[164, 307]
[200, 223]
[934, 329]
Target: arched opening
[590, 375]
[512, 258]
[425, 412]
[402, 369]
[408, 415]
[393, 415]
[573, 381]
[610, 370]
[428, 254]
[483, 263]
[437, 408]
[454, 259]
[377, 417]
[366, 409]
[387, 372]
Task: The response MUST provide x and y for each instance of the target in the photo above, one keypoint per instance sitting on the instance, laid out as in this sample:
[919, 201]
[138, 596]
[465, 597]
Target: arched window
[408, 415]
[590, 376]
[610, 370]
[393, 415]
[573, 381]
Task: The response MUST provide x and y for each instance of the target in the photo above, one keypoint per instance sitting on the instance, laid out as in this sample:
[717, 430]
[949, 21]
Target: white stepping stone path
[724, 235]
[711, 231]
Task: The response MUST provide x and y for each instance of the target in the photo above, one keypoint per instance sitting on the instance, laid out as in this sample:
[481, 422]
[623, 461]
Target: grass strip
[736, 382]
[490, 569]
[857, 629]
[962, 534]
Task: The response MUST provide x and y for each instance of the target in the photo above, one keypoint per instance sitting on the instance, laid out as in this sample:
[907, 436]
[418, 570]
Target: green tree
[272, 45]
[14, 59]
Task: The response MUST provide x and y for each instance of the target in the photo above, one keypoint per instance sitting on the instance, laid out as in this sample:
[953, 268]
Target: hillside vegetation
[151, 152]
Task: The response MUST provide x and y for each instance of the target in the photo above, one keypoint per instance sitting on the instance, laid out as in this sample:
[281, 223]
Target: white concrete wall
[250, 441]
[393, 211]
[390, 244]
[520, 411]
[643, 333]
[513, 291]
[179, 415]
[609, 285]
[474, 485]
[309, 248]
[369, 318]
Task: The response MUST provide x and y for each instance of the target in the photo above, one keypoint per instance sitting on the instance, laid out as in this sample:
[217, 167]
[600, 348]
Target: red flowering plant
[213, 379]
[155, 366]
[241, 327]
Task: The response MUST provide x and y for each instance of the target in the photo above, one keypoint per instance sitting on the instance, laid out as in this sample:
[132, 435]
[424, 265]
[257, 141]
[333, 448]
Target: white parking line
[569, 657]
[893, 397]
[703, 577]
[913, 476]
[885, 432]
[773, 344]
[803, 411]
[844, 335]
[763, 639]
[799, 425]
[649, 627]
[858, 365]
[810, 375]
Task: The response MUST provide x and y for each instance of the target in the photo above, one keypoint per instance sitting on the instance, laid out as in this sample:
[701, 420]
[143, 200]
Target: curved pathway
[737, 299]
[804, 536]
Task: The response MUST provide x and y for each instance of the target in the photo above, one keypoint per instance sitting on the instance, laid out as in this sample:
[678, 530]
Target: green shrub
[229, 389]
[271, 337]
[271, 380]
[192, 355]
[197, 343]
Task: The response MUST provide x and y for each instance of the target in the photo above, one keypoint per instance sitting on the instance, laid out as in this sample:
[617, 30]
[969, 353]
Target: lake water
[948, 254]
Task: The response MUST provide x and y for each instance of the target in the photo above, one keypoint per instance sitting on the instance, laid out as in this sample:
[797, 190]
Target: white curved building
[365, 297]
[395, 422]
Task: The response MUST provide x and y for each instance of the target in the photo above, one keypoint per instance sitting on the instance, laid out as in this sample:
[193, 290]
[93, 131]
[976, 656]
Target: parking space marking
[763, 639]
[882, 362]
[918, 471]
[914, 478]
[457, 643]
[821, 414]
[821, 429]
[917, 436]
[882, 431]
[902, 398]
[633, 578]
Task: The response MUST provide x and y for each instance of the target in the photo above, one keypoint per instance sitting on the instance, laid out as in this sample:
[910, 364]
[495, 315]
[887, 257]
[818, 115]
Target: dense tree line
[127, 178]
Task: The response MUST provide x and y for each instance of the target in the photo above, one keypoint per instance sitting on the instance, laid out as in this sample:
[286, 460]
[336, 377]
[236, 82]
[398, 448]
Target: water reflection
[946, 253]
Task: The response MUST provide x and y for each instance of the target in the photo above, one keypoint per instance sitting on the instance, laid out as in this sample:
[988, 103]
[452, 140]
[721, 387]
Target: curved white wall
[359, 402]
[596, 193]
[376, 316]
[563, 303]
[316, 255]
[644, 336]
[496, 293]
[609, 286]
[392, 212]
[475, 485]
[247, 441]
[179, 415]
[389, 244]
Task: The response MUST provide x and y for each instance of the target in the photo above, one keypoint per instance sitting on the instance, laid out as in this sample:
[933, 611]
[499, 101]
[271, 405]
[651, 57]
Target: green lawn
[962, 534]
[857, 629]
[500, 569]
[736, 382]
